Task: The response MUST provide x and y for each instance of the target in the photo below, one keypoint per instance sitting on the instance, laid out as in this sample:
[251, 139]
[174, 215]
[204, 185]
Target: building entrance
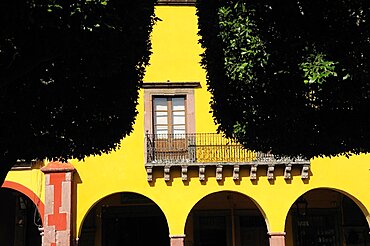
[226, 219]
[20, 220]
[125, 219]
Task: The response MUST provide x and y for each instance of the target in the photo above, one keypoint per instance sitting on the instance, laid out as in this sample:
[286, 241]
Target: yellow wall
[176, 58]
[33, 179]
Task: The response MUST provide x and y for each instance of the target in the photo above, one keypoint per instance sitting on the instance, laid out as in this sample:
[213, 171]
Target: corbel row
[287, 172]
[236, 172]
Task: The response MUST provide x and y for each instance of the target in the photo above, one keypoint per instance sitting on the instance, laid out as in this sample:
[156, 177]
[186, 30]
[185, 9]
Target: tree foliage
[69, 75]
[289, 77]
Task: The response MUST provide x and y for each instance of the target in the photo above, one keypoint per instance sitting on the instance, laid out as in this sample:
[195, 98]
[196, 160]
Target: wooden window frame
[169, 89]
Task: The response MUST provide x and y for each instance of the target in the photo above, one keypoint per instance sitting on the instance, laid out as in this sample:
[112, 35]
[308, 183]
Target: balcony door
[169, 128]
[169, 116]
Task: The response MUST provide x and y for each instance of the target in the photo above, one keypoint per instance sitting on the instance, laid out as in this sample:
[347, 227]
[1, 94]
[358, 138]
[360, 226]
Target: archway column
[58, 204]
[277, 238]
[177, 240]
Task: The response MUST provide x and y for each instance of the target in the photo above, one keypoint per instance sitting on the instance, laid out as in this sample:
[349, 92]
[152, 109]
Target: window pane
[161, 118]
[178, 119]
[179, 113]
[160, 103]
[161, 129]
[161, 113]
[178, 103]
[179, 129]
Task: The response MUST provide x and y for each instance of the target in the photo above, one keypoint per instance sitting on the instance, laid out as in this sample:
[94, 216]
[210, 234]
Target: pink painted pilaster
[277, 238]
[177, 240]
[58, 204]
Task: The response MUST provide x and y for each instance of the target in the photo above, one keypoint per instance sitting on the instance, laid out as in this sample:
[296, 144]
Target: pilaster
[177, 240]
[277, 238]
[58, 204]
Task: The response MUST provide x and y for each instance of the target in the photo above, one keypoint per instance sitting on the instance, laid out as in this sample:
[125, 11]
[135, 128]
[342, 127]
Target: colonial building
[175, 181]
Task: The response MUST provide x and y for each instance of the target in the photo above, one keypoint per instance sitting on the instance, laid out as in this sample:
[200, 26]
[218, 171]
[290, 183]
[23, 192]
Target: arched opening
[125, 219]
[226, 219]
[326, 217]
[20, 219]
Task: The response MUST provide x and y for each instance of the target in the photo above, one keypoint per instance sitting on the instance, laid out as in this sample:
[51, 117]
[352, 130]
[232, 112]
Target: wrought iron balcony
[209, 149]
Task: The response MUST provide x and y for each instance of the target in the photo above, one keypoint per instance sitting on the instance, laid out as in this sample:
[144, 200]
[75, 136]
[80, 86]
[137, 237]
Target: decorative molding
[270, 172]
[202, 171]
[24, 165]
[236, 171]
[276, 233]
[177, 236]
[167, 173]
[304, 173]
[287, 171]
[253, 172]
[233, 167]
[184, 173]
[58, 167]
[170, 85]
[177, 240]
[219, 172]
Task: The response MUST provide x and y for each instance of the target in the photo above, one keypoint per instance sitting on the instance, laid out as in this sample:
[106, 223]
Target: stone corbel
[253, 172]
[287, 172]
[202, 171]
[304, 173]
[219, 172]
[236, 171]
[270, 172]
[149, 172]
[167, 173]
[184, 173]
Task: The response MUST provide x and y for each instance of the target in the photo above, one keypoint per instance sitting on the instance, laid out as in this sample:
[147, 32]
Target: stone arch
[121, 207]
[362, 207]
[21, 213]
[236, 211]
[110, 194]
[329, 213]
[27, 192]
[240, 193]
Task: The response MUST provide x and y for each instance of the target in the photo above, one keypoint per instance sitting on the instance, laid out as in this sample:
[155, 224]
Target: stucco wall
[176, 58]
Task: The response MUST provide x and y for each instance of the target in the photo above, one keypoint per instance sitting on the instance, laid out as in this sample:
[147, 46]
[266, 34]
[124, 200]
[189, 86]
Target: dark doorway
[19, 220]
[325, 217]
[134, 225]
[211, 230]
[226, 219]
[125, 219]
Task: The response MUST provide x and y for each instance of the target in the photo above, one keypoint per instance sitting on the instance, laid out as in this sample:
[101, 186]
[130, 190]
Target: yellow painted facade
[176, 58]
